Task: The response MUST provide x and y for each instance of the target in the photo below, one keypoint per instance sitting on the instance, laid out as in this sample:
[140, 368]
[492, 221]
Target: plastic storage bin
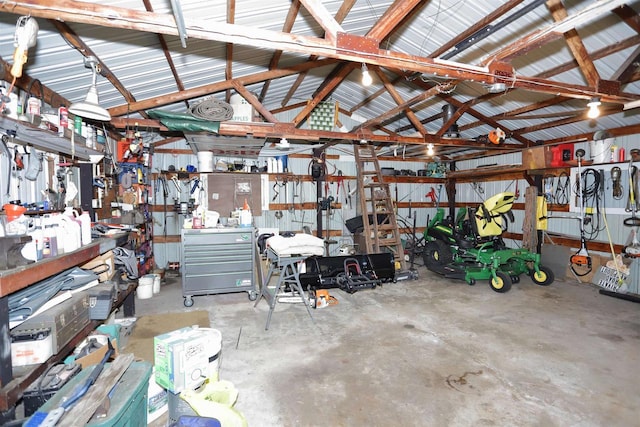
[128, 403]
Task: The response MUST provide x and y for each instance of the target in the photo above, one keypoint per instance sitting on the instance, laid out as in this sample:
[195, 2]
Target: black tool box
[47, 385]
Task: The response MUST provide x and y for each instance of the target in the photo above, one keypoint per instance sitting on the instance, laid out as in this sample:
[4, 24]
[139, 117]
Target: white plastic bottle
[85, 225]
[245, 215]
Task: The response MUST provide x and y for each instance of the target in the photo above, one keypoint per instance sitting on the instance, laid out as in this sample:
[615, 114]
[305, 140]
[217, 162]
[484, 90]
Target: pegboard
[611, 204]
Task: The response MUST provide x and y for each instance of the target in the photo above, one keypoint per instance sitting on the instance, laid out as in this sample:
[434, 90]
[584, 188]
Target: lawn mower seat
[488, 216]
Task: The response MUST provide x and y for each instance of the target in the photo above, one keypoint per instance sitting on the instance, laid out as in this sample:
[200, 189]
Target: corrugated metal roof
[137, 60]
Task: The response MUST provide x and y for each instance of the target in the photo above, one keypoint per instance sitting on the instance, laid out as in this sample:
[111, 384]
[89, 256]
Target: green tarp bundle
[184, 122]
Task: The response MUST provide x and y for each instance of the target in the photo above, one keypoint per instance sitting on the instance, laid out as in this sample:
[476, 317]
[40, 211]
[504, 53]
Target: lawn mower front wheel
[543, 277]
[501, 282]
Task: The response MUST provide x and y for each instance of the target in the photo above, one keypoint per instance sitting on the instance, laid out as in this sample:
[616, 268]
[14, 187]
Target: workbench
[13, 280]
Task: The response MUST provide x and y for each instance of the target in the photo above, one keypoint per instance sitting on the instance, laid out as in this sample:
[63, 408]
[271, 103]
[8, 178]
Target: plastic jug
[70, 233]
[85, 225]
[245, 215]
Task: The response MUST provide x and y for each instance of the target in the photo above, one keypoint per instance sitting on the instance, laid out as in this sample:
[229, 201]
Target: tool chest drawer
[219, 260]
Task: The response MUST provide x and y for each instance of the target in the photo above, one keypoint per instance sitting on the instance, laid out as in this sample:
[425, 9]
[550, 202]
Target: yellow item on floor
[215, 400]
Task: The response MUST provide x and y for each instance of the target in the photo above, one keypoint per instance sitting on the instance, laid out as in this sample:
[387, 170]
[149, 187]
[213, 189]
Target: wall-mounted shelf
[45, 140]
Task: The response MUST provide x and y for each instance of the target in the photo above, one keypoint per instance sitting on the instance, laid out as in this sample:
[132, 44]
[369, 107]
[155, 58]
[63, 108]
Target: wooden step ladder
[383, 234]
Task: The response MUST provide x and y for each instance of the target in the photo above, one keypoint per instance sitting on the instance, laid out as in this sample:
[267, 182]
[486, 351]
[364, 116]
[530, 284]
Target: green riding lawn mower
[471, 248]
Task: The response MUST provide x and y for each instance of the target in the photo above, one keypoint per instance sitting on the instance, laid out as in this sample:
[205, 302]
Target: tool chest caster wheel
[188, 301]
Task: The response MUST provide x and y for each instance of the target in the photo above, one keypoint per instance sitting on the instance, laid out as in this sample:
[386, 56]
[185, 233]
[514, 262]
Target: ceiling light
[593, 105]
[283, 144]
[366, 77]
[430, 151]
[90, 108]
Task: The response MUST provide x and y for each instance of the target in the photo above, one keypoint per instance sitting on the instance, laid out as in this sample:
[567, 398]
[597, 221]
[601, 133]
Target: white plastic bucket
[145, 287]
[214, 352]
[600, 150]
[205, 161]
[156, 284]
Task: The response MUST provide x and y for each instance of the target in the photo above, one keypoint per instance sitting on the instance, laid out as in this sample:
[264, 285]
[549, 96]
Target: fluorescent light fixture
[366, 77]
[90, 108]
[593, 105]
[631, 105]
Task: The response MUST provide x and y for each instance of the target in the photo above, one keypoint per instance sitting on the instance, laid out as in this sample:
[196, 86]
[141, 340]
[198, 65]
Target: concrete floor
[430, 352]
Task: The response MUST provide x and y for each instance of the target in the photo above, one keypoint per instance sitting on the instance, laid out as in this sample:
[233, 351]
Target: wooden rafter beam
[343, 71]
[599, 54]
[398, 99]
[228, 69]
[392, 18]
[629, 16]
[399, 109]
[323, 17]
[451, 121]
[74, 40]
[559, 13]
[116, 17]
[508, 6]
[621, 131]
[522, 110]
[275, 58]
[167, 55]
[626, 70]
[342, 13]
[580, 117]
[49, 96]
[217, 87]
[552, 32]
[253, 100]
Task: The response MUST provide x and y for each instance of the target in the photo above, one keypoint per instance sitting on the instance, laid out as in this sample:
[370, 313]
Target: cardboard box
[25, 351]
[537, 157]
[186, 357]
[103, 266]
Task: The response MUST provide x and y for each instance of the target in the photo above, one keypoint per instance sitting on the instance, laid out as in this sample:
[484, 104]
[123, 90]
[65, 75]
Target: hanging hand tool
[195, 186]
[7, 153]
[17, 158]
[340, 183]
[632, 247]
[616, 174]
[431, 195]
[349, 194]
[632, 200]
[581, 258]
